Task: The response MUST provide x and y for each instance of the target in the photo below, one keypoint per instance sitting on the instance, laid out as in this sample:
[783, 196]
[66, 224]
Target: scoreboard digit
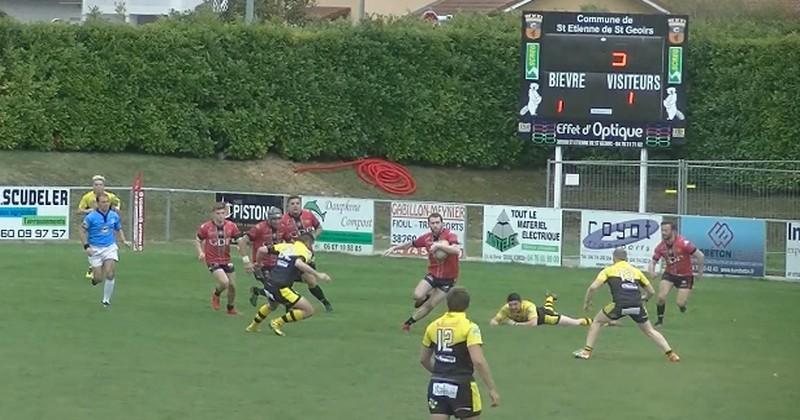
[601, 79]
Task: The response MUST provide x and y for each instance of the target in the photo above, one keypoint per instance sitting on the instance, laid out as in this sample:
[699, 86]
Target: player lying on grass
[518, 311]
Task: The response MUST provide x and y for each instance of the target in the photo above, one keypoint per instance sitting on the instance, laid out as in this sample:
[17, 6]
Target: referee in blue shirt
[100, 231]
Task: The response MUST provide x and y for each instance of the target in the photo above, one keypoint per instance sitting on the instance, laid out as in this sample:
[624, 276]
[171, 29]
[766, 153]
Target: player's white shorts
[100, 254]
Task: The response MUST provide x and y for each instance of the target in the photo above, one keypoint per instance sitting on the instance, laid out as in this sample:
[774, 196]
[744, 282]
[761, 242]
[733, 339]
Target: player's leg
[221, 281]
[601, 318]
[315, 289]
[664, 286]
[437, 295]
[109, 257]
[572, 322]
[421, 296]
[96, 262]
[657, 337]
[264, 311]
[684, 290]
[301, 309]
[231, 306]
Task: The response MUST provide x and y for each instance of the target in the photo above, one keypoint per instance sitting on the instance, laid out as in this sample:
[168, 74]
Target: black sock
[258, 291]
[218, 291]
[319, 294]
[410, 320]
[418, 303]
[660, 309]
[230, 307]
[682, 308]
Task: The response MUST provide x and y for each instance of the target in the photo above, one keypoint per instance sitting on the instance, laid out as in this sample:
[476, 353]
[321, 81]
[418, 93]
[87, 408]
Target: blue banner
[731, 246]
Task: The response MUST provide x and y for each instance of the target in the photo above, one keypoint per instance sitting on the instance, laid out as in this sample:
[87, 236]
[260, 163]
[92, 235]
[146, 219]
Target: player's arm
[317, 228]
[701, 262]
[482, 367]
[397, 247]
[651, 267]
[121, 235]
[426, 358]
[452, 247]
[300, 263]
[198, 244]
[85, 237]
[244, 251]
[596, 284]
[499, 318]
[531, 322]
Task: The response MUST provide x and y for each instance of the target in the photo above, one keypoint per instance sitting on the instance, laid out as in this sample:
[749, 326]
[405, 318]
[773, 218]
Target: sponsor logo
[608, 235]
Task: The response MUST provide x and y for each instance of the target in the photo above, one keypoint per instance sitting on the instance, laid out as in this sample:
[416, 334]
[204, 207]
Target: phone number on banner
[341, 247]
[30, 233]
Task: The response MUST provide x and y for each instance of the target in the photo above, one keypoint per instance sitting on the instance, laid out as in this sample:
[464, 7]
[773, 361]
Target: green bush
[402, 89]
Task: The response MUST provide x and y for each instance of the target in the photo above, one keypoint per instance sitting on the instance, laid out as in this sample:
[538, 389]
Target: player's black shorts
[439, 283]
[461, 400]
[283, 295]
[637, 313]
[228, 268]
[546, 316]
[680, 282]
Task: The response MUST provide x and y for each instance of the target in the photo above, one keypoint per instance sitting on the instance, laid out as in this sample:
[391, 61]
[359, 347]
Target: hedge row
[401, 89]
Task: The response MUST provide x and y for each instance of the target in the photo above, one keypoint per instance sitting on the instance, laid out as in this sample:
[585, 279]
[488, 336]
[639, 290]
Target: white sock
[108, 290]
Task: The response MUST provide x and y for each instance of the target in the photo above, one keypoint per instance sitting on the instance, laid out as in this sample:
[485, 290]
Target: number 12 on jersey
[444, 339]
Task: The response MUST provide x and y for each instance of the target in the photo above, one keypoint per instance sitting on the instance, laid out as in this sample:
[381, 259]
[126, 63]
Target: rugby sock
[262, 313]
[108, 290]
[549, 304]
[587, 349]
[230, 307]
[668, 352]
[682, 308]
[410, 321]
[292, 316]
[319, 294]
[661, 309]
[218, 291]
[586, 321]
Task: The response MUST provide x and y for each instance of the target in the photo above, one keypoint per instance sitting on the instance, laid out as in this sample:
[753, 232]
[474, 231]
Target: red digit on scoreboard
[619, 59]
[560, 106]
[630, 97]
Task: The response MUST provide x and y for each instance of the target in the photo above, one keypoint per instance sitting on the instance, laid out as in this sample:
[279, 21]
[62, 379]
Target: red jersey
[447, 269]
[290, 228]
[678, 256]
[260, 235]
[217, 241]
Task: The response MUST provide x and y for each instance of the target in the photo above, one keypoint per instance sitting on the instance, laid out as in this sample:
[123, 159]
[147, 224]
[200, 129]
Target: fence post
[683, 190]
[131, 222]
[549, 183]
[557, 179]
[168, 220]
[643, 180]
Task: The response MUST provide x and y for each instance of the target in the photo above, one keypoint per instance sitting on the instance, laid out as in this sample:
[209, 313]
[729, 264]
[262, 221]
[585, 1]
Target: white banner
[793, 250]
[602, 231]
[347, 223]
[35, 213]
[410, 221]
[522, 234]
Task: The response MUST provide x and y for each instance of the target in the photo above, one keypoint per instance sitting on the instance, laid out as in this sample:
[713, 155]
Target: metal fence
[173, 215]
[761, 189]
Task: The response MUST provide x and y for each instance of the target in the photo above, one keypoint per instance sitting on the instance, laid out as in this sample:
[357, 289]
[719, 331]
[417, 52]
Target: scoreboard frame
[603, 79]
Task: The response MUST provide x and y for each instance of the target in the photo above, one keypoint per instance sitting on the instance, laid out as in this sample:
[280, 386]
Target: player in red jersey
[442, 273]
[294, 223]
[677, 253]
[213, 245]
[264, 233]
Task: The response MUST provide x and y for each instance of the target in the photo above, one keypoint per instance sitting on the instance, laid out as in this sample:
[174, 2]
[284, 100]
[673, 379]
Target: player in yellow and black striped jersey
[518, 311]
[293, 261]
[626, 283]
[451, 348]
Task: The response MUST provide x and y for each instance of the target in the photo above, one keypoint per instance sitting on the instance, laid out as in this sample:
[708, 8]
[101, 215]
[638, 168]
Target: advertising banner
[522, 234]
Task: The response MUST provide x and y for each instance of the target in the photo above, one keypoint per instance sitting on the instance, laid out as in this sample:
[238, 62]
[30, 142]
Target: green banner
[541, 248]
[675, 65]
[532, 61]
[342, 237]
[44, 221]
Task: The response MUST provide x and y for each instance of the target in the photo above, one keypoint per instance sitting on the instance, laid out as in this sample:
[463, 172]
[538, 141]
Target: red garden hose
[388, 176]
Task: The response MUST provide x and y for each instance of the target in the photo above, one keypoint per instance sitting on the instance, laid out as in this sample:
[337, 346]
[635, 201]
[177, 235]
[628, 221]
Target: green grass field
[161, 353]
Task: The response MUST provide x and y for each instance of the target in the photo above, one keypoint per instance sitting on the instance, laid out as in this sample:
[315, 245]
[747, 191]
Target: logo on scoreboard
[533, 26]
[675, 65]
[532, 61]
[677, 30]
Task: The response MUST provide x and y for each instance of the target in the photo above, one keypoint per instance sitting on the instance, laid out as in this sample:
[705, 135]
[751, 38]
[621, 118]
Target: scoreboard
[601, 79]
